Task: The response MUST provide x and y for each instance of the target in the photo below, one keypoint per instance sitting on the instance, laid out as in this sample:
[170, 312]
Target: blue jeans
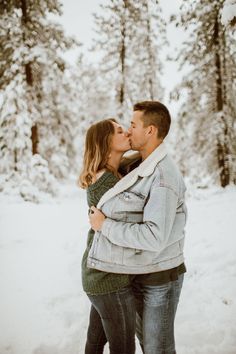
[112, 320]
[156, 307]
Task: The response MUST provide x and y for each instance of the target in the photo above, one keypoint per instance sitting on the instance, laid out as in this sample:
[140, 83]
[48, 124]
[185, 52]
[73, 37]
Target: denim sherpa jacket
[146, 216]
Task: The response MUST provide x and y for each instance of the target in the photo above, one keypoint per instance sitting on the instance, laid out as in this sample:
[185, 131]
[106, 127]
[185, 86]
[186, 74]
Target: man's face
[138, 134]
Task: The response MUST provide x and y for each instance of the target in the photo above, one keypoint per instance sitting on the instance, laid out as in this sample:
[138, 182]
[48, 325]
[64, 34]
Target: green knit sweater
[95, 281]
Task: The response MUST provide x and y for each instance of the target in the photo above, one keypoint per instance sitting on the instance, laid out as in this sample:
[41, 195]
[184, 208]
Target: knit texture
[95, 281]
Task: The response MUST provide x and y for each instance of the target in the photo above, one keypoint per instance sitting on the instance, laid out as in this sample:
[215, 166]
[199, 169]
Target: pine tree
[31, 63]
[95, 100]
[127, 37]
[207, 119]
[148, 38]
[111, 42]
[57, 133]
[16, 117]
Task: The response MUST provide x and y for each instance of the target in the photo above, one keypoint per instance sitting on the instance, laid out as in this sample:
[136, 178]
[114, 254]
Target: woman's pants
[112, 320]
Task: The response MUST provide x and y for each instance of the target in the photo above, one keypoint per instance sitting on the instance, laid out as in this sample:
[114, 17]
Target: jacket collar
[145, 169]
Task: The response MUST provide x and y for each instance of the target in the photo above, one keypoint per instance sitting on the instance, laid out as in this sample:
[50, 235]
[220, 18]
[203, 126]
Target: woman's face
[120, 139]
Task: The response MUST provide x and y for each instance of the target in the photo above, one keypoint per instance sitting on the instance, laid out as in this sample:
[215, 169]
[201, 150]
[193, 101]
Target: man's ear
[152, 130]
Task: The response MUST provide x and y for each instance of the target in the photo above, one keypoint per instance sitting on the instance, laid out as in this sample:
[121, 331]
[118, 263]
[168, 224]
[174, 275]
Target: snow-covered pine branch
[207, 120]
[228, 16]
[129, 37]
[37, 115]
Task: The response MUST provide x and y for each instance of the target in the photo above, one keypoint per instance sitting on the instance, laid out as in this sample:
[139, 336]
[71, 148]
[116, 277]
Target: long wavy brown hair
[97, 150]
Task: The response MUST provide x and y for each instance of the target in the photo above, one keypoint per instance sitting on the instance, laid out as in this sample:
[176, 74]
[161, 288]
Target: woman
[112, 315]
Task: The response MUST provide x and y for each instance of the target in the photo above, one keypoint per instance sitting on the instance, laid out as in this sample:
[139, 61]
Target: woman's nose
[127, 133]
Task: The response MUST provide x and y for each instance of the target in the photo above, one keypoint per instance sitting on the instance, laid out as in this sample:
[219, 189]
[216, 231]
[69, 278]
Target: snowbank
[42, 305]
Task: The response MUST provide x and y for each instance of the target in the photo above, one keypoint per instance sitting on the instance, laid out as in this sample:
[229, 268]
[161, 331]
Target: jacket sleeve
[158, 218]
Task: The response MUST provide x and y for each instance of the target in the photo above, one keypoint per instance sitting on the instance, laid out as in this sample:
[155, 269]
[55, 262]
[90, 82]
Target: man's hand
[96, 218]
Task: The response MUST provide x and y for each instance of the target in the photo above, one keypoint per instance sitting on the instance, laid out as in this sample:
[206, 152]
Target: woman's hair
[97, 150]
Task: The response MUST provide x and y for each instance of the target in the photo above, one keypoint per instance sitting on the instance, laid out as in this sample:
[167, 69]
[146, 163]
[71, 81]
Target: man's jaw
[133, 147]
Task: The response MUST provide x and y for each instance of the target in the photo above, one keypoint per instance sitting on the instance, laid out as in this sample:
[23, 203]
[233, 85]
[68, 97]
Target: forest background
[53, 86]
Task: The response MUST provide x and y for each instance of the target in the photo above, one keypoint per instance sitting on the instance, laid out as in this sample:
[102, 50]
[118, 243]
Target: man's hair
[155, 113]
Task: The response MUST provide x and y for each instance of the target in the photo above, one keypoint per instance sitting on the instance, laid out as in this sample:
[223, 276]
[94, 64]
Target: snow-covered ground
[228, 12]
[43, 309]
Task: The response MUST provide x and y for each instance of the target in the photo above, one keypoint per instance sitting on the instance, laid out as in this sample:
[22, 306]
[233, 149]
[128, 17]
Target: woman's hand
[96, 218]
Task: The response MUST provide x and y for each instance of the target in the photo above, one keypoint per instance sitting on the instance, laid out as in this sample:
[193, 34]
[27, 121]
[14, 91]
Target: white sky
[77, 20]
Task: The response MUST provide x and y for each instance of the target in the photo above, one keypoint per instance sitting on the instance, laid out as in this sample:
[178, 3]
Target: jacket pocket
[130, 201]
[107, 252]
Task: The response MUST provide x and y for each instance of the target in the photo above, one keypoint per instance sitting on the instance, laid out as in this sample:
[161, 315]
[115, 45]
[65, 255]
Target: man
[140, 230]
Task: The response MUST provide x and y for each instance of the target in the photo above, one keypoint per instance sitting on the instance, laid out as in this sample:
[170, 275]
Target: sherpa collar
[145, 169]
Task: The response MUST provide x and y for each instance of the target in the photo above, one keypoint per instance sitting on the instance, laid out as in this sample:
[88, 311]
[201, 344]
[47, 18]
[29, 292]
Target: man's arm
[153, 233]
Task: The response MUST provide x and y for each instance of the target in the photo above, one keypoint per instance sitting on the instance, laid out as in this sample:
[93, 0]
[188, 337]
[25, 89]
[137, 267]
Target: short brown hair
[97, 150]
[155, 113]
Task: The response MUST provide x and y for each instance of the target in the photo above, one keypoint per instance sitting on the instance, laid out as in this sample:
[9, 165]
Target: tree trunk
[222, 142]
[15, 160]
[29, 78]
[150, 53]
[122, 60]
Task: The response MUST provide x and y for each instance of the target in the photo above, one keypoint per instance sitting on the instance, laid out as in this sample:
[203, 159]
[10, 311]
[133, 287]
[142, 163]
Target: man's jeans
[156, 307]
[112, 319]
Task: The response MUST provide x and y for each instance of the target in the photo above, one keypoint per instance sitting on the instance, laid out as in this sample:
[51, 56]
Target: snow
[42, 304]
[228, 12]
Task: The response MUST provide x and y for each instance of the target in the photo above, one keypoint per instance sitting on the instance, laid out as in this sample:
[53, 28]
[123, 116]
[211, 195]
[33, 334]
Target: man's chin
[133, 147]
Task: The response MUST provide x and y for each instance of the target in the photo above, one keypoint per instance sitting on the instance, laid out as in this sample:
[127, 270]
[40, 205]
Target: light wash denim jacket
[145, 218]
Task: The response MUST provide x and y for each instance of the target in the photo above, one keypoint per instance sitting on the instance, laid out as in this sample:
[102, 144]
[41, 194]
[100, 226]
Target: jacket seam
[162, 182]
